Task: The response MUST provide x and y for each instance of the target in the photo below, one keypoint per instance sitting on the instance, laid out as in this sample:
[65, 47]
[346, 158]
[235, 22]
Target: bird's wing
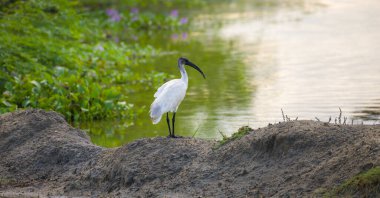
[168, 98]
[160, 89]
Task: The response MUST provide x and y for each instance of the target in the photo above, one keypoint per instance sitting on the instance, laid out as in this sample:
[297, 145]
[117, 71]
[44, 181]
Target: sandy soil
[41, 155]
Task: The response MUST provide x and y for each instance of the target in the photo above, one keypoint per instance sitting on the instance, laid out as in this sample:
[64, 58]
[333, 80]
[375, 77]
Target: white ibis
[170, 95]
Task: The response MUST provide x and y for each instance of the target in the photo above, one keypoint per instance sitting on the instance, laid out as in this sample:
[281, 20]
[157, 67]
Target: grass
[366, 184]
[237, 135]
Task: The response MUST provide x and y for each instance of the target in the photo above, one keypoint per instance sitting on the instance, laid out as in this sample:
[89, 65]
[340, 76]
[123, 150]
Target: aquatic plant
[183, 20]
[174, 13]
[56, 55]
[113, 14]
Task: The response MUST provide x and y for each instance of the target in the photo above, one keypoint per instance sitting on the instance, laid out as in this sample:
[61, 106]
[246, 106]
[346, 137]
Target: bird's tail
[156, 120]
[155, 113]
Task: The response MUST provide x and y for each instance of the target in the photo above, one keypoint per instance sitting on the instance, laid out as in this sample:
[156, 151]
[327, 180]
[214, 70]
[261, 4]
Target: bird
[169, 96]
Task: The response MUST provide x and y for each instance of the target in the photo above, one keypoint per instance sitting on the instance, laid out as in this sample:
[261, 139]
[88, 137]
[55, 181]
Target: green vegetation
[365, 184]
[78, 58]
[240, 133]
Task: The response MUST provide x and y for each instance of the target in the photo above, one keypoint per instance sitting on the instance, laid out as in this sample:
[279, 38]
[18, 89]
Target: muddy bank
[41, 155]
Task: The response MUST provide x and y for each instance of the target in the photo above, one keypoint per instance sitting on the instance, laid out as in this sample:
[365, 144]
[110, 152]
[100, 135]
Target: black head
[182, 61]
[185, 61]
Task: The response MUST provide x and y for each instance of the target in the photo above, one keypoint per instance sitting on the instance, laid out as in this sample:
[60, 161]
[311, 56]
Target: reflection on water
[319, 62]
[306, 58]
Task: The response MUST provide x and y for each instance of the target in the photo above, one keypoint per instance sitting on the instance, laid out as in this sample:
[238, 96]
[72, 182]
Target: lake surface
[306, 57]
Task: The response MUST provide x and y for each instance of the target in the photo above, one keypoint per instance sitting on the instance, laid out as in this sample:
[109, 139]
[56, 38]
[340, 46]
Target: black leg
[173, 121]
[168, 121]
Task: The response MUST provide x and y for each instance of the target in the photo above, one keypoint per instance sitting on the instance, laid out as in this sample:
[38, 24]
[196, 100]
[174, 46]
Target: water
[308, 59]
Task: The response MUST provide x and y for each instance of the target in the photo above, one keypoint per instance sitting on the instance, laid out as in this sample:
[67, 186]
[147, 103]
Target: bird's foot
[174, 136]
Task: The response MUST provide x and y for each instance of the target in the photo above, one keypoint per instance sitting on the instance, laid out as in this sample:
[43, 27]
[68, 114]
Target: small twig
[335, 120]
[283, 116]
[329, 119]
[196, 131]
[345, 119]
[287, 118]
[340, 115]
[296, 118]
[352, 121]
[317, 119]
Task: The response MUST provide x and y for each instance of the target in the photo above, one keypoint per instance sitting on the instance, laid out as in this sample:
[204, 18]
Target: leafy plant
[57, 55]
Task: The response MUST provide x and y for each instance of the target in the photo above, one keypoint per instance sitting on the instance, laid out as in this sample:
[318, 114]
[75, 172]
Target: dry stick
[340, 115]
[317, 119]
[283, 116]
[287, 118]
[329, 119]
[352, 121]
[296, 118]
[345, 119]
[335, 120]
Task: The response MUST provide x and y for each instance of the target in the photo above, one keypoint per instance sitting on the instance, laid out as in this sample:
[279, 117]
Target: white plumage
[170, 95]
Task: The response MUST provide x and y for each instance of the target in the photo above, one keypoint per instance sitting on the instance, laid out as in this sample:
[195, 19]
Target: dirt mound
[42, 155]
[36, 144]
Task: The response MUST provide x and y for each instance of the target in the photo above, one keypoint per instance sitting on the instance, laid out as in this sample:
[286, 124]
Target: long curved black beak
[195, 67]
